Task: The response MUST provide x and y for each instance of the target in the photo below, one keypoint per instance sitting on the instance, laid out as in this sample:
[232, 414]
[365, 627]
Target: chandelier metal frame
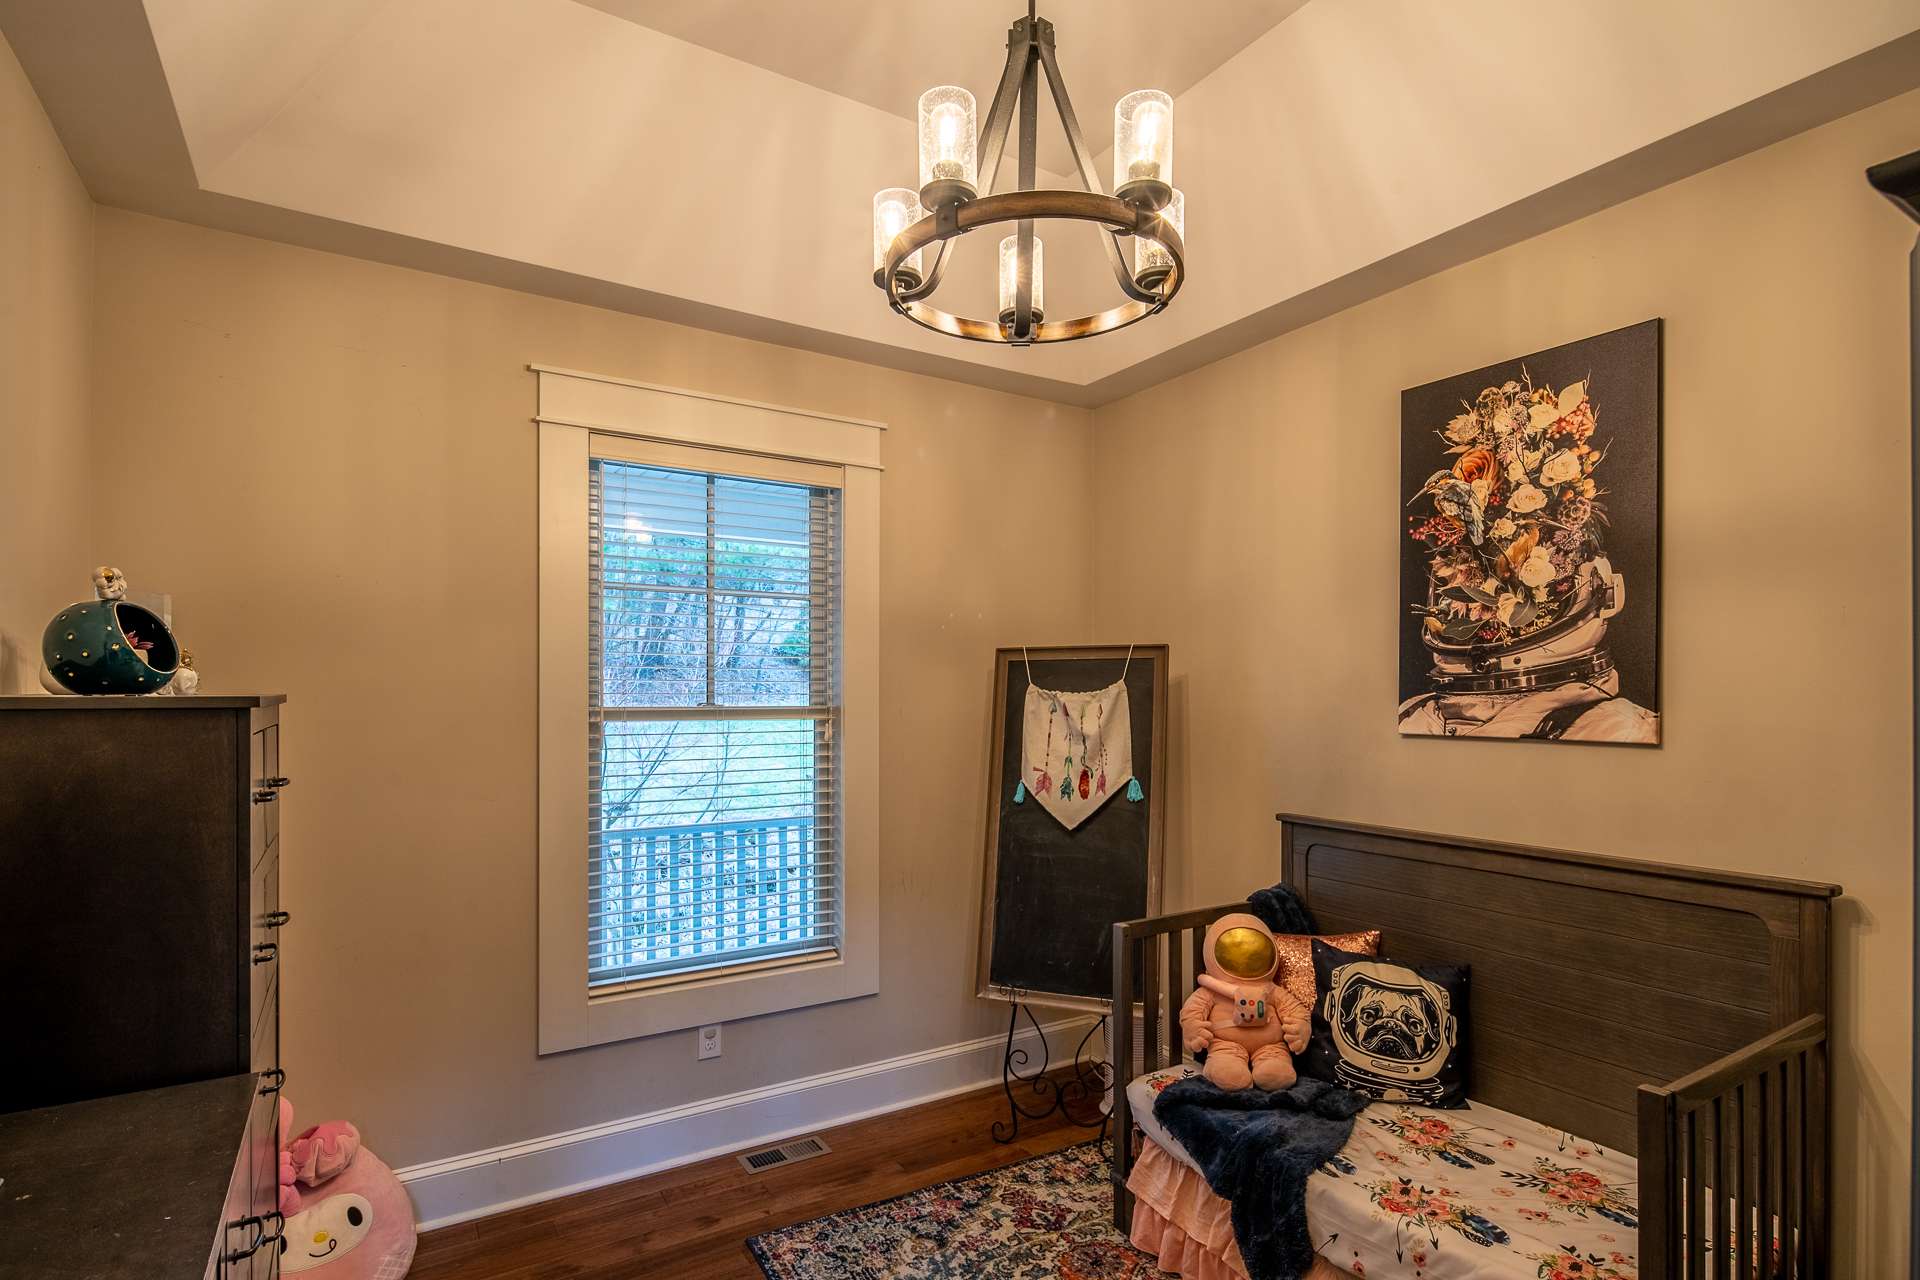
[1135, 211]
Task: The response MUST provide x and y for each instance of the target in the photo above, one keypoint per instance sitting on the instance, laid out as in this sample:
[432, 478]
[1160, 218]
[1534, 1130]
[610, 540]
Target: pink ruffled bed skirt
[1189, 1230]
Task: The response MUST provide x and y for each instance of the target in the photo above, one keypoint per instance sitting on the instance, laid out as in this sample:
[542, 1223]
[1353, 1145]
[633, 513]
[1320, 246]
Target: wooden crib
[1594, 979]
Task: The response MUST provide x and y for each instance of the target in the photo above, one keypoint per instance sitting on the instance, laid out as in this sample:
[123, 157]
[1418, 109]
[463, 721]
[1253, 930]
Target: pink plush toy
[1249, 1026]
[313, 1157]
[322, 1151]
[289, 1192]
[353, 1221]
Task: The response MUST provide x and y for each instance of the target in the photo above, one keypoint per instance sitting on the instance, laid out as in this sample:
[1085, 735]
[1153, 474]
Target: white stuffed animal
[109, 583]
[186, 680]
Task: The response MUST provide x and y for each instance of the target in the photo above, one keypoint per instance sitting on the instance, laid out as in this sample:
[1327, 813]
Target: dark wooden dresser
[139, 934]
[140, 1186]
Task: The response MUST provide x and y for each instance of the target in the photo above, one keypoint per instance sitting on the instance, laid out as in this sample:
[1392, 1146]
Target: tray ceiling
[886, 55]
[712, 162]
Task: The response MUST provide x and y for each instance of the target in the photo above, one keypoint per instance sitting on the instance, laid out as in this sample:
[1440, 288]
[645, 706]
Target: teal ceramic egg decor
[95, 646]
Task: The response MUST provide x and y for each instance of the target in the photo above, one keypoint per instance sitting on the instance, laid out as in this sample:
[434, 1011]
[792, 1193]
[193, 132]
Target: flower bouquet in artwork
[1512, 526]
[1516, 517]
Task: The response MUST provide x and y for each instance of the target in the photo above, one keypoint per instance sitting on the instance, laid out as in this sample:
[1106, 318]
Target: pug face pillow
[1391, 1031]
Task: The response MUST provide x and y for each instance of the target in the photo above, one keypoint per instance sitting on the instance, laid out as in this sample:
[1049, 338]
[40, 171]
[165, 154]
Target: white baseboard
[483, 1182]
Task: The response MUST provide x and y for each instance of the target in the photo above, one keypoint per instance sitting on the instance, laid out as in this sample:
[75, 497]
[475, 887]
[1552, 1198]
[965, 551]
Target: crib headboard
[1591, 975]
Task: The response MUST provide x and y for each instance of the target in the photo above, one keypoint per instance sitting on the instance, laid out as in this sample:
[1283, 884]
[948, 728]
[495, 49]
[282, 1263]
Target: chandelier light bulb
[948, 142]
[894, 210]
[1149, 123]
[1152, 264]
[948, 123]
[1010, 279]
[1143, 148]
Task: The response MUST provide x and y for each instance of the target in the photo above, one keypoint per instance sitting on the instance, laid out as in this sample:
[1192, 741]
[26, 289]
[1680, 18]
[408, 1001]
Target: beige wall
[1266, 558]
[330, 464]
[46, 281]
[338, 485]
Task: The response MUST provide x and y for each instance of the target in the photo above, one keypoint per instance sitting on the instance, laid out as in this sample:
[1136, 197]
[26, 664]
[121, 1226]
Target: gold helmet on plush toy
[1519, 590]
[1239, 948]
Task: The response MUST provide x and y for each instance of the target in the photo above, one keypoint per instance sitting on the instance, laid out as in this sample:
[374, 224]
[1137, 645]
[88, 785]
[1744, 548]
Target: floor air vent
[786, 1153]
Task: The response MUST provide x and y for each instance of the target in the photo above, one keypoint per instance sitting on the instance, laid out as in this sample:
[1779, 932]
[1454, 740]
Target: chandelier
[955, 171]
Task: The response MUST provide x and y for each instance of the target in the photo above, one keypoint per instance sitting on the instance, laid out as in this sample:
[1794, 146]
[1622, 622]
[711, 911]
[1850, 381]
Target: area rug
[1048, 1218]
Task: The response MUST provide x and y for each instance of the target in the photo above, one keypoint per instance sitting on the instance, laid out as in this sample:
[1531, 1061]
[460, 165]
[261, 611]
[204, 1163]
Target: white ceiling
[887, 54]
[713, 164]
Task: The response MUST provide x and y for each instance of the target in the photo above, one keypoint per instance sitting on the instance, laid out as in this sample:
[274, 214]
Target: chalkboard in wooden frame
[1050, 896]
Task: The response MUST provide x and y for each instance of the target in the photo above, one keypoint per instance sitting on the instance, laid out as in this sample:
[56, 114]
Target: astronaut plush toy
[1248, 1025]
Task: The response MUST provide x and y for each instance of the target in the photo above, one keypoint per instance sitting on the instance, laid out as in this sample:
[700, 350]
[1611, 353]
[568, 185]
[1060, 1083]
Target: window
[710, 771]
[709, 709]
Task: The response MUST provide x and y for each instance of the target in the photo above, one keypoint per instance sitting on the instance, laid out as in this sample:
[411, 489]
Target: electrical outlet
[708, 1045]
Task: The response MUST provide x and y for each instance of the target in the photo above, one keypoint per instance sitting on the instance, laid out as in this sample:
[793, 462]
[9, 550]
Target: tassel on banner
[1134, 792]
[1019, 793]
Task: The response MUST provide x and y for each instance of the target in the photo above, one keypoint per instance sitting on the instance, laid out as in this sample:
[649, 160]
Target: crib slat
[1756, 1168]
[1150, 965]
[1176, 996]
[1199, 951]
[1766, 1142]
[1742, 1194]
[1697, 1166]
[1791, 1200]
[1722, 1218]
[1815, 1238]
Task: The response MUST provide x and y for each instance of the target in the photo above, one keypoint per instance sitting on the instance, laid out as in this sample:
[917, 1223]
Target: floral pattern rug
[1049, 1218]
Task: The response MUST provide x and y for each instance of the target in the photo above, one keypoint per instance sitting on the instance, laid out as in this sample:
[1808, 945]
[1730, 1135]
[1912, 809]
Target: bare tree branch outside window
[709, 590]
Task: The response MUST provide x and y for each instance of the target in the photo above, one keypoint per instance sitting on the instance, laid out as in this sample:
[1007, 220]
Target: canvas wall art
[1530, 551]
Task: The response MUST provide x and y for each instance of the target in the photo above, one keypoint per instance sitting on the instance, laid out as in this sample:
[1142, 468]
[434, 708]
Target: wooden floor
[692, 1223]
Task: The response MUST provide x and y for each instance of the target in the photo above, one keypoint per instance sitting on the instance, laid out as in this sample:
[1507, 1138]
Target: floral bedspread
[1467, 1195]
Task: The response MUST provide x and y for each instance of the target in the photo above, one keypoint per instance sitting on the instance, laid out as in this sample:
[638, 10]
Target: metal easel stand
[1091, 1079]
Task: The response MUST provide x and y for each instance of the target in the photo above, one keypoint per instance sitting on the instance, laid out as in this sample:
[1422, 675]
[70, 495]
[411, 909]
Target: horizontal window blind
[711, 725]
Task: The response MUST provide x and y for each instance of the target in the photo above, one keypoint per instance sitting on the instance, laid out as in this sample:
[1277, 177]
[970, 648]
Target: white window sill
[695, 975]
[718, 995]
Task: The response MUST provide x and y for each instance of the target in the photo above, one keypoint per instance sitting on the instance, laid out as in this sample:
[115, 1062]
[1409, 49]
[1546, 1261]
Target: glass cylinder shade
[1152, 264]
[1142, 140]
[948, 138]
[1010, 278]
[894, 210]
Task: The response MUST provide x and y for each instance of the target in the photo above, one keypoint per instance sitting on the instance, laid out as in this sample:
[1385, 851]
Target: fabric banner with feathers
[1076, 751]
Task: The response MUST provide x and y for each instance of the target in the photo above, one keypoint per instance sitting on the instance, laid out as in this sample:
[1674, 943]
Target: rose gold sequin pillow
[1296, 957]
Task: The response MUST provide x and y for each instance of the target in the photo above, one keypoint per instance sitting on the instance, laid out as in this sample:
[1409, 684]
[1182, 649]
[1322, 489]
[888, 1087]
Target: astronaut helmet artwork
[1392, 1029]
[1569, 648]
[1520, 591]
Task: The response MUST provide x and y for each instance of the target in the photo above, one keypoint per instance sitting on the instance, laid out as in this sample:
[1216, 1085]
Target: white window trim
[755, 439]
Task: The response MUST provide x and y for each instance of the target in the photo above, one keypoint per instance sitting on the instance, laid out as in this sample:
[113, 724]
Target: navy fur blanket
[1257, 1150]
[1282, 909]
